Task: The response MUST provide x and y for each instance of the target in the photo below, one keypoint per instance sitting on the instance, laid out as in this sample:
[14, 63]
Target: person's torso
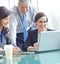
[29, 19]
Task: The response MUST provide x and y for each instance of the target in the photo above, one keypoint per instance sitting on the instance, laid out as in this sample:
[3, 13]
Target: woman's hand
[33, 48]
[16, 49]
[30, 48]
[35, 45]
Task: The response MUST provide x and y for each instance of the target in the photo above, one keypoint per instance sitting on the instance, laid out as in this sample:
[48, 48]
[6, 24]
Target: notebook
[49, 40]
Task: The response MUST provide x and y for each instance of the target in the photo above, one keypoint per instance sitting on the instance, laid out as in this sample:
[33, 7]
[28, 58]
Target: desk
[39, 58]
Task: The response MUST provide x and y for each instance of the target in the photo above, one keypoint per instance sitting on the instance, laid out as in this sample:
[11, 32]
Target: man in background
[16, 27]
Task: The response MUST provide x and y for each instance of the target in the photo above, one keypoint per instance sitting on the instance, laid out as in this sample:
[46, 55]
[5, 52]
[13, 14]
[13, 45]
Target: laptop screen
[49, 40]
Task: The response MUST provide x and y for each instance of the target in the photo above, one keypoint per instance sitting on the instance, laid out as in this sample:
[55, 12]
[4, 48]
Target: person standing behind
[4, 32]
[18, 32]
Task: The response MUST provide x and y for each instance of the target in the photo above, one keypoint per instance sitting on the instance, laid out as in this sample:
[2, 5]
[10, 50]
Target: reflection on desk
[30, 59]
[9, 61]
[39, 58]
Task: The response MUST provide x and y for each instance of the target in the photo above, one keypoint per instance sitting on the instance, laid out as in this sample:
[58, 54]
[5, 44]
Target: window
[50, 7]
[52, 10]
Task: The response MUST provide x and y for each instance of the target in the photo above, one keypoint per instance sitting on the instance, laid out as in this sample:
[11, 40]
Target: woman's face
[41, 23]
[4, 22]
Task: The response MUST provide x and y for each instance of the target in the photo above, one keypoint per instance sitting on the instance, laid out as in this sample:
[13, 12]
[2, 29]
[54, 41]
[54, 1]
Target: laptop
[48, 41]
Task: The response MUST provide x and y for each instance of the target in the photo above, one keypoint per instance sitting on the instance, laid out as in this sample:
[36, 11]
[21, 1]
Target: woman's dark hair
[5, 31]
[39, 15]
[4, 12]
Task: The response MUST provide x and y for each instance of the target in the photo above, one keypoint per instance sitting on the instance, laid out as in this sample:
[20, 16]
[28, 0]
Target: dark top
[20, 39]
[32, 38]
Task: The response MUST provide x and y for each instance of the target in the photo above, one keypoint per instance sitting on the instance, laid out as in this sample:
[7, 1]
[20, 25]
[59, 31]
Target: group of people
[23, 38]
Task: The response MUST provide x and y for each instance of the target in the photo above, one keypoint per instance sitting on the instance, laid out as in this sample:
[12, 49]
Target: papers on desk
[24, 53]
[2, 53]
[1, 56]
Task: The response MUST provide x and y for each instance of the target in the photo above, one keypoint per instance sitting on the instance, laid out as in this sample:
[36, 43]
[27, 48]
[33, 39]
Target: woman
[32, 40]
[4, 35]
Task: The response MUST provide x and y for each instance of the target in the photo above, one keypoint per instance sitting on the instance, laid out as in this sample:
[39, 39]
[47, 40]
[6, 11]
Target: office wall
[52, 10]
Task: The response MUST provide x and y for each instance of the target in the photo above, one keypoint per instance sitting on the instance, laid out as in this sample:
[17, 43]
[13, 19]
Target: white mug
[8, 50]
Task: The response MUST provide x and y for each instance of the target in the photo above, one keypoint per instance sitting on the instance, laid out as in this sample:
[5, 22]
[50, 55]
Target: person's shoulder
[32, 8]
[14, 9]
[33, 31]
